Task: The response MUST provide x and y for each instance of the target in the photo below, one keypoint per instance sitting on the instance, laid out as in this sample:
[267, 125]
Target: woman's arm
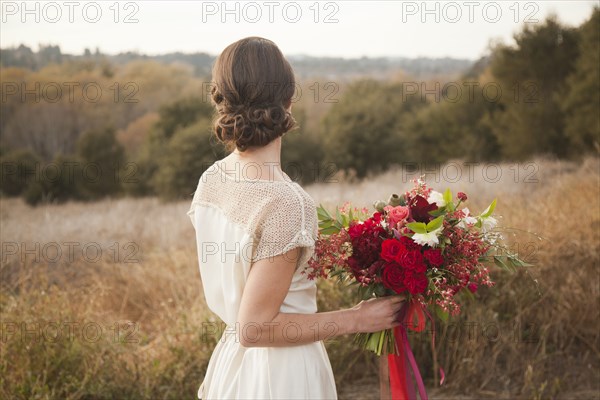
[262, 325]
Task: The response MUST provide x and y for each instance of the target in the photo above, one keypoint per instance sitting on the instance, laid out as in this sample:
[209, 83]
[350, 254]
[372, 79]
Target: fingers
[381, 313]
[395, 304]
[399, 297]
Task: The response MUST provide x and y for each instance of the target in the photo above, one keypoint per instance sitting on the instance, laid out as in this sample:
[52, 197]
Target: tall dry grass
[535, 335]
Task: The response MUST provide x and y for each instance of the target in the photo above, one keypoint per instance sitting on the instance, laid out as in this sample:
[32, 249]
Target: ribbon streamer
[401, 387]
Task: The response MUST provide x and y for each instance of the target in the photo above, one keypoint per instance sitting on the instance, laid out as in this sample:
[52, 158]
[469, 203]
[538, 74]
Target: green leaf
[443, 315]
[468, 294]
[379, 290]
[417, 227]
[438, 212]
[350, 216]
[345, 220]
[336, 272]
[338, 216]
[498, 261]
[435, 223]
[447, 196]
[488, 211]
[517, 262]
[330, 230]
[325, 224]
[322, 213]
[525, 264]
[450, 206]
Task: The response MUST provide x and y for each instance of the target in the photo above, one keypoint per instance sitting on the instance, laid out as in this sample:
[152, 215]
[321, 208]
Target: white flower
[467, 220]
[437, 198]
[429, 238]
[488, 223]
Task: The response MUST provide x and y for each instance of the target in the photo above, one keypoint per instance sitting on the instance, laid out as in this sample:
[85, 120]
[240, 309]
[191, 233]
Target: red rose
[392, 277]
[434, 257]
[462, 196]
[409, 243]
[356, 229]
[391, 249]
[413, 260]
[415, 282]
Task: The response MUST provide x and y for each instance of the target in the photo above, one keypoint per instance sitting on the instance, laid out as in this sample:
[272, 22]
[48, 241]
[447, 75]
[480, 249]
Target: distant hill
[305, 66]
[422, 67]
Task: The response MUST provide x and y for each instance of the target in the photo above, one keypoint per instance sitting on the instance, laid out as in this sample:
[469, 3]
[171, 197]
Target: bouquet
[423, 244]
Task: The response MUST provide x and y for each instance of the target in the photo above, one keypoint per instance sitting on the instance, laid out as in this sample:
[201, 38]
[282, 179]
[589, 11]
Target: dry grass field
[104, 301]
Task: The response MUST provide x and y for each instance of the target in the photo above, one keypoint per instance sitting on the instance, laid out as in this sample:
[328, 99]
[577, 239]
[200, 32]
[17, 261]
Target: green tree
[59, 181]
[183, 113]
[301, 152]
[582, 96]
[102, 160]
[187, 155]
[147, 164]
[138, 178]
[364, 131]
[531, 75]
[459, 129]
[19, 168]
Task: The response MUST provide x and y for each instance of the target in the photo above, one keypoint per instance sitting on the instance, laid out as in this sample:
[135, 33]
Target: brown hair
[253, 85]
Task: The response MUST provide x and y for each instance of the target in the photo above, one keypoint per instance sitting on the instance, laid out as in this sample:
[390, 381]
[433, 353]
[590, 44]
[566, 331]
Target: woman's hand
[262, 324]
[377, 314]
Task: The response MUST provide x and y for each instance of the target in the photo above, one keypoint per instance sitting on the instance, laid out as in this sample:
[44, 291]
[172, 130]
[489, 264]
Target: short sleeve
[287, 222]
[191, 212]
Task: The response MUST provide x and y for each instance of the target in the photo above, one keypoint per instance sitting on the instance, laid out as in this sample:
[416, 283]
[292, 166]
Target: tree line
[87, 129]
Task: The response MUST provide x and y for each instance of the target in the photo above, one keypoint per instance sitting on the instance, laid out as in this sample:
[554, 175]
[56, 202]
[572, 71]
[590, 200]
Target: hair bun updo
[253, 85]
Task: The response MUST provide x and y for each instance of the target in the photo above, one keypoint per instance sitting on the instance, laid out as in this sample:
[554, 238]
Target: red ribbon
[413, 316]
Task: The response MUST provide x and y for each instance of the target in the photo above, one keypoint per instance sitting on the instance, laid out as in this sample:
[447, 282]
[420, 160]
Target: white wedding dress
[239, 221]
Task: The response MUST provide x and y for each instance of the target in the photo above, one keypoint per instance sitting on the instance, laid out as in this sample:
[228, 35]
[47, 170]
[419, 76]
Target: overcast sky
[460, 29]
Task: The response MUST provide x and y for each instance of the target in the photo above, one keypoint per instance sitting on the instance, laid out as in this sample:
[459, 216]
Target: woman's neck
[266, 158]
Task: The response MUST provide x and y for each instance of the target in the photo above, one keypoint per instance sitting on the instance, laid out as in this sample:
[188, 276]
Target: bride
[255, 231]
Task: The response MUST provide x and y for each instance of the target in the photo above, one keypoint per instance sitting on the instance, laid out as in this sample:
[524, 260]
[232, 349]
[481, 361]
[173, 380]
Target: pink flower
[462, 196]
[396, 214]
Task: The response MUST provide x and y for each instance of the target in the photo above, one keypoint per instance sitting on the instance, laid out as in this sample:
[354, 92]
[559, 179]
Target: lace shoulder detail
[279, 215]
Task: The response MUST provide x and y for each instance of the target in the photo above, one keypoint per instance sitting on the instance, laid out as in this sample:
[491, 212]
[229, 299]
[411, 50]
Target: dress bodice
[240, 221]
